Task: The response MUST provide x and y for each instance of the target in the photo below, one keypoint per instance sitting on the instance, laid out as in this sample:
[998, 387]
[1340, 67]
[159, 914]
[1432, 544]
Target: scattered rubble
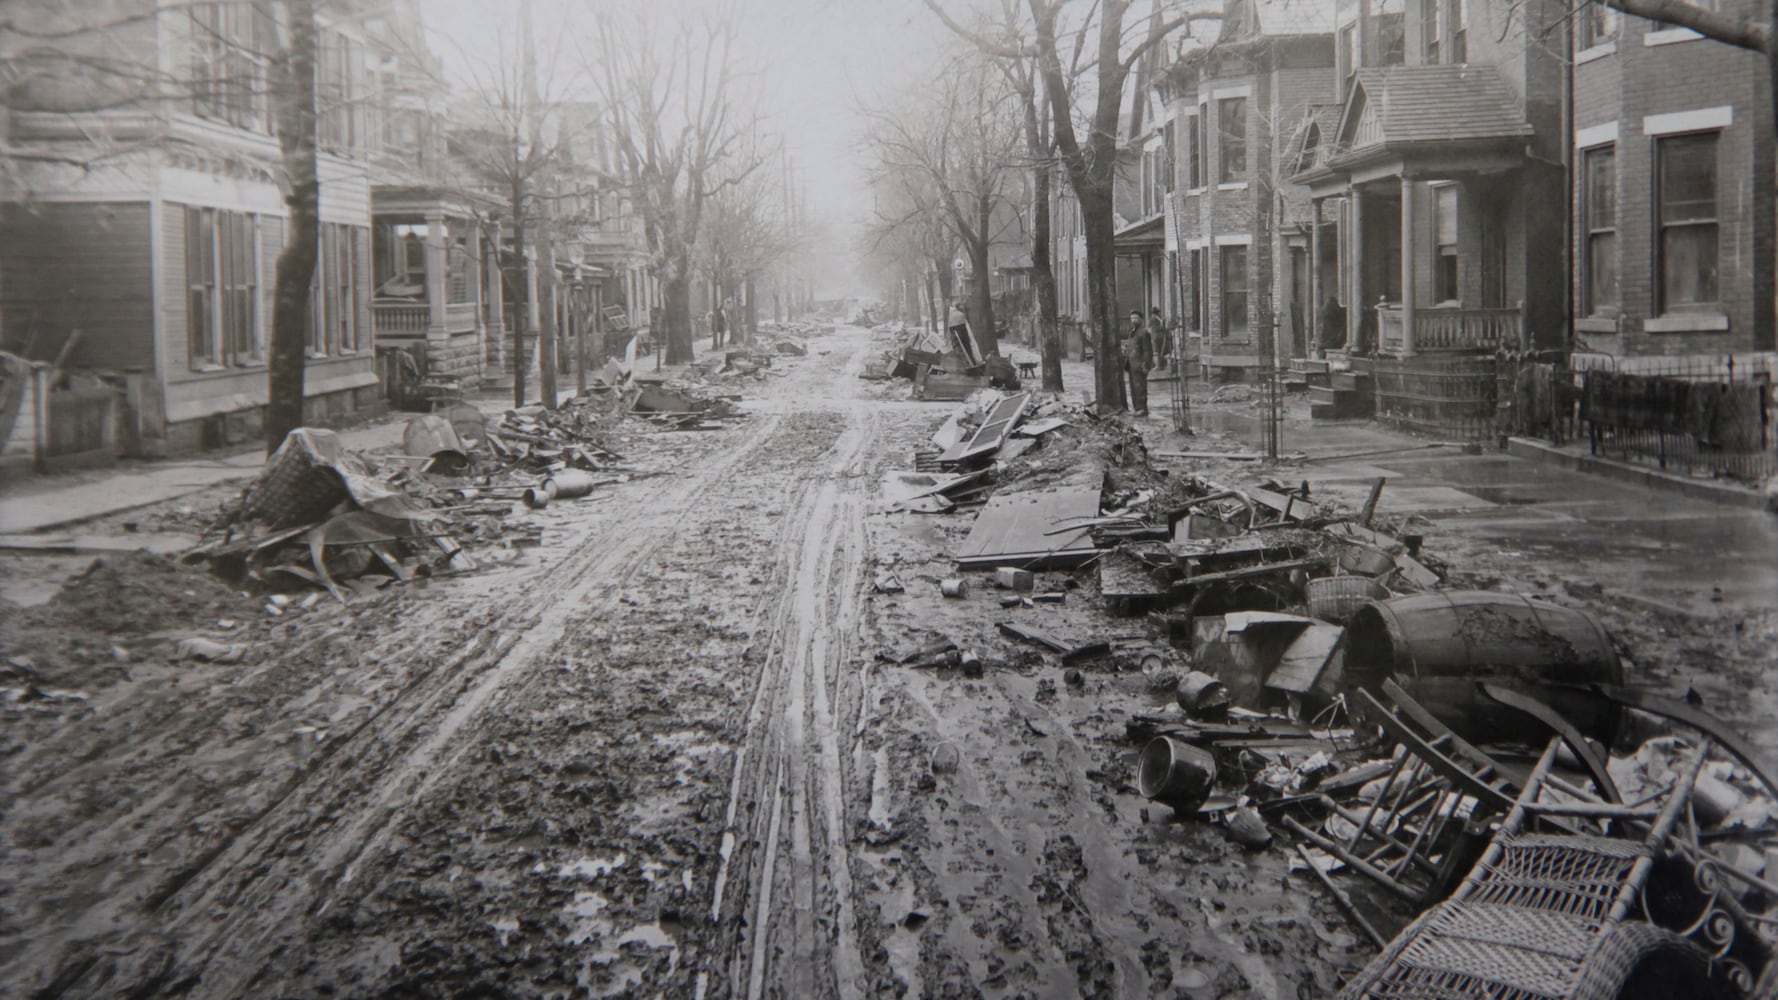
[1329, 683]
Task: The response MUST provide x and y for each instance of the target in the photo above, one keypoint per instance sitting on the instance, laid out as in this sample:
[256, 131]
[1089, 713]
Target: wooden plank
[1305, 659]
[1460, 777]
[1034, 635]
[995, 428]
[1010, 530]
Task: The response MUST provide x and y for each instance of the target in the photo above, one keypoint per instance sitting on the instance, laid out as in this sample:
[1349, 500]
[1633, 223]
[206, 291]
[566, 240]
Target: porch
[434, 294]
[1420, 199]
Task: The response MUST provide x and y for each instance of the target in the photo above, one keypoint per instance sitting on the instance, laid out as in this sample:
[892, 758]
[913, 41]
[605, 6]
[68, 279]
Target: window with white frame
[228, 76]
[339, 92]
[1445, 287]
[1194, 152]
[1348, 58]
[222, 288]
[1432, 28]
[1234, 292]
[333, 294]
[1169, 158]
[1686, 222]
[1595, 25]
[1459, 31]
[1599, 276]
[1231, 116]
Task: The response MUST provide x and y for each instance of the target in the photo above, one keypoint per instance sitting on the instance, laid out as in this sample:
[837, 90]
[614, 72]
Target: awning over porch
[1137, 238]
[1402, 118]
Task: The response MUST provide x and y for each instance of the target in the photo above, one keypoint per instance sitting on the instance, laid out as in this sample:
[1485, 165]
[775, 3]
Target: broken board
[993, 432]
[1306, 659]
[1011, 530]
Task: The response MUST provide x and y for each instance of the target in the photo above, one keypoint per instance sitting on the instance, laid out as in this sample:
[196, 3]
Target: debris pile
[121, 610]
[1324, 684]
[320, 515]
[939, 370]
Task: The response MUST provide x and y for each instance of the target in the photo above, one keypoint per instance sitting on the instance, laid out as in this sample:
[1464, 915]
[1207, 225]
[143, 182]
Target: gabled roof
[1409, 104]
[1323, 120]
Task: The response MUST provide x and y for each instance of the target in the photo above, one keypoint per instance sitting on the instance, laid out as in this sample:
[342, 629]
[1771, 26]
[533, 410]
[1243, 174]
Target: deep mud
[657, 756]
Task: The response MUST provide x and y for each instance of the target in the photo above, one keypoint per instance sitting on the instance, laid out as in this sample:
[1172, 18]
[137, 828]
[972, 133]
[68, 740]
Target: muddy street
[655, 756]
[664, 753]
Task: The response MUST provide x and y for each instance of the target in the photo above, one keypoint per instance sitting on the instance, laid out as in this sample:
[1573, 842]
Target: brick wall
[1625, 82]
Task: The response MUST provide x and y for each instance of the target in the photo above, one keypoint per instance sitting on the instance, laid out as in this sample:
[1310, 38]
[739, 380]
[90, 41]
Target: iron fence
[1694, 414]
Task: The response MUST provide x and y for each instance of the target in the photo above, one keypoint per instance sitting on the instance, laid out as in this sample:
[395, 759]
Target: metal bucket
[569, 484]
[1438, 645]
[1175, 772]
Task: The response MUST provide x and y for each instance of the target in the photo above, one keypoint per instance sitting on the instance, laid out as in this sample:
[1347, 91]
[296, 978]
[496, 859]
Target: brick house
[1237, 230]
[1442, 182]
[1673, 203]
[148, 216]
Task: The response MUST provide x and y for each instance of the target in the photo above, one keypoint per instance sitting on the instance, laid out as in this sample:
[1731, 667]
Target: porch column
[1312, 312]
[435, 272]
[1408, 251]
[1355, 304]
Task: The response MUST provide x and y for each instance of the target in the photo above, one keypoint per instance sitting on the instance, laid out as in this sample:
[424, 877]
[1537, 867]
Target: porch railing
[402, 318]
[409, 318]
[1442, 328]
[1445, 329]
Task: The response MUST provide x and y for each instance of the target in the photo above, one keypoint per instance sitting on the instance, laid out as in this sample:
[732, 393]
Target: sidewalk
[1581, 459]
[43, 503]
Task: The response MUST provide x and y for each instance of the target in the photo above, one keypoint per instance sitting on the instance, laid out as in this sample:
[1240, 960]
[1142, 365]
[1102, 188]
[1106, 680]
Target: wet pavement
[1649, 543]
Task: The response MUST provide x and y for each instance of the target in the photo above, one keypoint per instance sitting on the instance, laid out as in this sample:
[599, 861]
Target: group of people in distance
[1144, 346]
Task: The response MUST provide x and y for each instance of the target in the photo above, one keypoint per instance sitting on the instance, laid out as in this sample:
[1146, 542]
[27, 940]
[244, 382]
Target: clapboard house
[143, 213]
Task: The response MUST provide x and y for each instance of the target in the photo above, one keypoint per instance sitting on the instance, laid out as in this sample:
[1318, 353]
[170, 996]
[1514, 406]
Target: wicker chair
[1542, 916]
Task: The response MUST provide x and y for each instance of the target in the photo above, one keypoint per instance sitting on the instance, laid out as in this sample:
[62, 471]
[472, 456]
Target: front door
[1297, 309]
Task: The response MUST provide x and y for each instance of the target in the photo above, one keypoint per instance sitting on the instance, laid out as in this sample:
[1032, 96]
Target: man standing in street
[1138, 358]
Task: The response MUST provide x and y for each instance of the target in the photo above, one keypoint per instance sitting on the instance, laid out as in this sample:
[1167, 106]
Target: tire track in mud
[390, 763]
[786, 811]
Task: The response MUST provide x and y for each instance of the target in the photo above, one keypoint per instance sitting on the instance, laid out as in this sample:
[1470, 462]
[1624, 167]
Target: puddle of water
[582, 917]
[593, 867]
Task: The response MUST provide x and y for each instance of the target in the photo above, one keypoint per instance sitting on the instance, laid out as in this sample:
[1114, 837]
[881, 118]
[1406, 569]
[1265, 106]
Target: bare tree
[748, 227]
[908, 234]
[959, 136]
[511, 140]
[680, 133]
[1061, 33]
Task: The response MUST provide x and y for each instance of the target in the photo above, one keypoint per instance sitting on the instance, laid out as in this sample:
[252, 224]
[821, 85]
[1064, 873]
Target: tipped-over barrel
[1438, 645]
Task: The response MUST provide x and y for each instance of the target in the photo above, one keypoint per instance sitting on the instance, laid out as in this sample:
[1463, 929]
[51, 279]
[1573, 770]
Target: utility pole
[546, 256]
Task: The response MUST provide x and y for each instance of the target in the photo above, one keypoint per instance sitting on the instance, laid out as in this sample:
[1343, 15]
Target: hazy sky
[817, 59]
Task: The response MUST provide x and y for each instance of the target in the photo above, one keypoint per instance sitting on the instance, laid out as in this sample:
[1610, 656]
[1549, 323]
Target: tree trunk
[932, 303]
[676, 314]
[752, 307]
[546, 327]
[1095, 205]
[521, 313]
[296, 263]
[981, 305]
[1043, 281]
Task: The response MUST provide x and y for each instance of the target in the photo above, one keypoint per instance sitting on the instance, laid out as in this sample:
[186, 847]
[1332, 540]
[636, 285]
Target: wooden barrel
[1438, 645]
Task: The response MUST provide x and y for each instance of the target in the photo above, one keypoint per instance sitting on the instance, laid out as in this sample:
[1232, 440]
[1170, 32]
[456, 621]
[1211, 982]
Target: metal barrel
[1438, 645]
